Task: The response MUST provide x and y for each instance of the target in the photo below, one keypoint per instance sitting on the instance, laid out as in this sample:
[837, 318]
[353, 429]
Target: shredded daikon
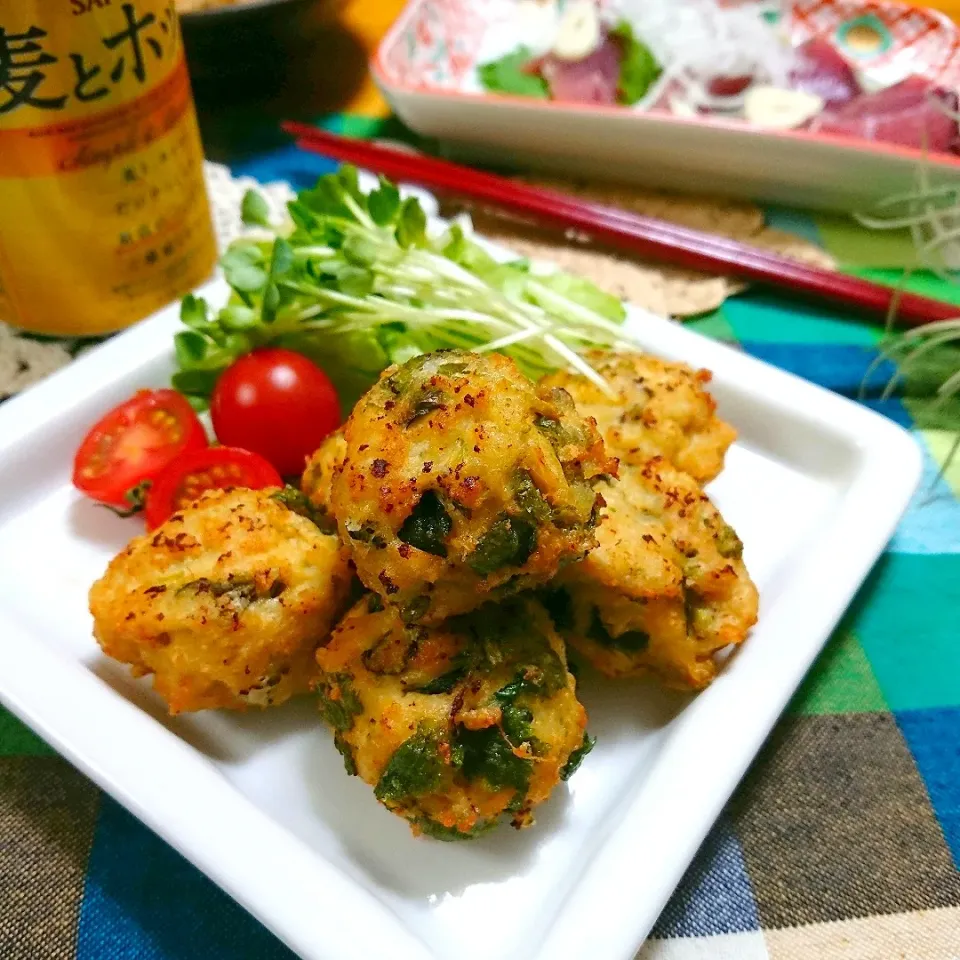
[697, 41]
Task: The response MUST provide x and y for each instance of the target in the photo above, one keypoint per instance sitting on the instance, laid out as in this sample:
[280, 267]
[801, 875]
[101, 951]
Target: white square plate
[260, 802]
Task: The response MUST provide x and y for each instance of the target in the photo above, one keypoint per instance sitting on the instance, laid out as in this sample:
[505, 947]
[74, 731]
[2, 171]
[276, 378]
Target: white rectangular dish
[260, 802]
[427, 63]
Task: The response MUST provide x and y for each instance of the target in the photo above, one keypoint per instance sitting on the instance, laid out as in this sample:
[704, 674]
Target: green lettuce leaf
[639, 69]
[510, 74]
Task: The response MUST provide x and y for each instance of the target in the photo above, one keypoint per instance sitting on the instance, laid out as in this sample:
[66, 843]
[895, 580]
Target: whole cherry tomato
[276, 403]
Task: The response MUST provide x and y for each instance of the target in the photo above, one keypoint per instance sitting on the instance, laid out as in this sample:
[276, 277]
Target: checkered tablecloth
[843, 841]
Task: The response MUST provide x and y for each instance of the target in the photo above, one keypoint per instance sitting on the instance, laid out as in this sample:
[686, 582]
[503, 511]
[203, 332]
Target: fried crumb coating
[225, 603]
[666, 588]
[660, 409]
[317, 480]
[461, 482]
[457, 724]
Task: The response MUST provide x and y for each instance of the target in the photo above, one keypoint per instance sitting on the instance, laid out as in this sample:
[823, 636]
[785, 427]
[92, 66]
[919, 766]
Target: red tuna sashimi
[821, 70]
[910, 113]
[594, 79]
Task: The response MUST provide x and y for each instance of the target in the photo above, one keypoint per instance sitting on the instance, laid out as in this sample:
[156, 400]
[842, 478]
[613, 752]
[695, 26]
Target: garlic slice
[778, 109]
[537, 22]
[578, 33]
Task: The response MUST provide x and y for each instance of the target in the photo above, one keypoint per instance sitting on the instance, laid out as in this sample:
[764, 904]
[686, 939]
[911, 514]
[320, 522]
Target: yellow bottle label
[103, 211]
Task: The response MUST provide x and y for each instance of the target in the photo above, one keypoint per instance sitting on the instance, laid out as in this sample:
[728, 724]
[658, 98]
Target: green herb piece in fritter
[553, 430]
[632, 641]
[392, 652]
[576, 758]
[508, 543]
[428, 526]
[339, 704]
[426, 403]
[728, 543]
[505, 633]
[415, 769]
[415, 609]
[559, 604]
[298, 502]
[344, 750]
[486, 755]
[366, 533]
[439, 832]
[515, 723]
[236, 591]
[529, 499]
[444, 683]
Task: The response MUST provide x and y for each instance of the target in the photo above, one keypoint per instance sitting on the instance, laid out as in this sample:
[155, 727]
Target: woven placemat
[669, 291]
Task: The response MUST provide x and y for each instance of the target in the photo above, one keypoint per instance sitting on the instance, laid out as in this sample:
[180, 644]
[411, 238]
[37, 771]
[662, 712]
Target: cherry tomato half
[276, 403]
[134, 442]
[183, 480]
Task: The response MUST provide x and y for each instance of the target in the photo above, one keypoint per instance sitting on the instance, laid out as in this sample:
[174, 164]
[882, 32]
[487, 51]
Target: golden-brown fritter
[317, 480]
[456, 724]
[225, 603]
[461, 482]
[667, 587]
[660, 409]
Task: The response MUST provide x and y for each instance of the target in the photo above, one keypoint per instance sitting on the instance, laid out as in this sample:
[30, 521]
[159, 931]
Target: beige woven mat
[666, 290]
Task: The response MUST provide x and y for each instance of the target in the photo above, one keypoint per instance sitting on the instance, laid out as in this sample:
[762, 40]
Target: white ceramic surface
[425, 67]
[260, 802]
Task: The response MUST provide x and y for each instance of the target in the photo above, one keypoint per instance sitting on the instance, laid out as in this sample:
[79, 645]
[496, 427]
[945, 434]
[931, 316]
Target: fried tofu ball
[317, 480]
[456, 724]
[660, 409]
[667, 587]
[461, 483]
[225, 603]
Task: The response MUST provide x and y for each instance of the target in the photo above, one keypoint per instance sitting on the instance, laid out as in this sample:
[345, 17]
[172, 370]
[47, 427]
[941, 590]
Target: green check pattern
[843, 841]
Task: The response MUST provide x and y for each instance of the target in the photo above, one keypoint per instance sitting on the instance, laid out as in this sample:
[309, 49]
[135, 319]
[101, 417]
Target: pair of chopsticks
[648, 237]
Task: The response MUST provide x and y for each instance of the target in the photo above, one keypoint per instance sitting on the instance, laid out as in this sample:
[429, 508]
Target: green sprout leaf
[360, 283]
[384, 203]
[243, 270]
[193, 312]
[412, 225]
[190, 348]
[254, 210]
[237, 318]
[271, 301]
[195, 382]
[282, 260]
[579, 291]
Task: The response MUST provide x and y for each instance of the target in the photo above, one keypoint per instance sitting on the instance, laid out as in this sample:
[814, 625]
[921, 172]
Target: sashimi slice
[910, 113]
[820, 70]
[594, 79]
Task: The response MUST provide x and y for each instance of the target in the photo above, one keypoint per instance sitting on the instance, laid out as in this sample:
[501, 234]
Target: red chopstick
[647, 236]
